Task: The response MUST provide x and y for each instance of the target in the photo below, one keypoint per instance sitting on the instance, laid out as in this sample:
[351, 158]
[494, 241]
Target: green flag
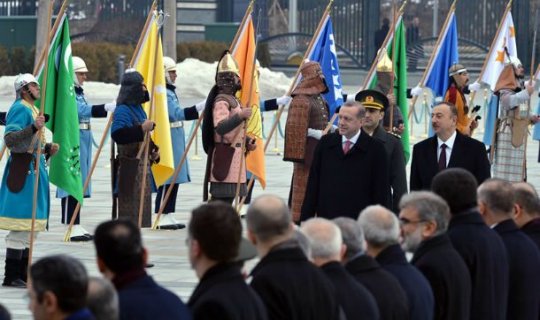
[61, 106]
[400, 81]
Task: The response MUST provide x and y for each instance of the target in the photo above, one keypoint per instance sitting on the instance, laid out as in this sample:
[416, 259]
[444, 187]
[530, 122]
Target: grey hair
[361, 110]
[352, 235]
[303, 242]
[268, 217]
[324, 238]
[102, 299]
[380, 226]
[430, 207]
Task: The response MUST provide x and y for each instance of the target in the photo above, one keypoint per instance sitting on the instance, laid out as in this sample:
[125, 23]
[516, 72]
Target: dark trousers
[68, 207]
[227, 200]
[171, 203]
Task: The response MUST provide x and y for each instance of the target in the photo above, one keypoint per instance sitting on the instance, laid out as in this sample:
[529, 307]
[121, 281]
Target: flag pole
[392, 75]
[432, 58]
[38, 134]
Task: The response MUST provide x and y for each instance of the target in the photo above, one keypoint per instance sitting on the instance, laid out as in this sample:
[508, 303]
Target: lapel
[456, 149]
[432, 154]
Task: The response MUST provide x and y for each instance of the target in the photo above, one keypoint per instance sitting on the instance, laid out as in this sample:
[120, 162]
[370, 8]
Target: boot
[167, 223]
[24, 264]
[12, 275]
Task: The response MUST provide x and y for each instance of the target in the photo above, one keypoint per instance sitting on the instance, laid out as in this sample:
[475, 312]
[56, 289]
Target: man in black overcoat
[480, 247]
[527, 210]
[459, 151]
[326, 249]
[214, 237]
[290, 286]
[349, 170]
[381, 231]
[496, 204]
[424, 218]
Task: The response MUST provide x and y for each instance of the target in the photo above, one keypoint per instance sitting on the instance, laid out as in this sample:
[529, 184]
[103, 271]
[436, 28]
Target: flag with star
[324, 52]
[61, 106]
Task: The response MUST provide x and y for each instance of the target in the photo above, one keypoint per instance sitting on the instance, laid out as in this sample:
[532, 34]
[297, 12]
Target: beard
[412, 241]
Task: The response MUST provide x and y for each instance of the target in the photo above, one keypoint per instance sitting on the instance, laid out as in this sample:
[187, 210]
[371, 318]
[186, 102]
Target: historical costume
[85, 111]
[128, 132]
[509, 161]
[17, 189]
[384, 83]
[223, 132]
[307, 118]
[454, 94]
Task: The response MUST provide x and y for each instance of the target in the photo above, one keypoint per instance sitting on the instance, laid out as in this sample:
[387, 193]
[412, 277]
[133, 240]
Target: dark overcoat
[467, 153]
[448, 276]
[532, 229]
[524, 264]
[485, 256]
[342, 185]
[222, 293]
[415, 285]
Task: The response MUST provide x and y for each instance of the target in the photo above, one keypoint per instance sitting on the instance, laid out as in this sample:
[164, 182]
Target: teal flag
[61, 106]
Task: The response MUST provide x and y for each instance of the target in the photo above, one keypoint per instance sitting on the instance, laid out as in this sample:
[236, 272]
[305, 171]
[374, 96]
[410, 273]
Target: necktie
[442, 158]
[347, 146]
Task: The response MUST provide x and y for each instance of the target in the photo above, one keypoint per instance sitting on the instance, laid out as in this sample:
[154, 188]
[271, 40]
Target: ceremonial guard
[178, 137]
[130, 128]
[459, 78]
[384, 85]
[222, 133]
[307, 118]
[85, 112]
[16, 192]
[509, 161]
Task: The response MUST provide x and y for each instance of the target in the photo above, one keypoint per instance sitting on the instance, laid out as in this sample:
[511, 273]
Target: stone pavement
[166, 248]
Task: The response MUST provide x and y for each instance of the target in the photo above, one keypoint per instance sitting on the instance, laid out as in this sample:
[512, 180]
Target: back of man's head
[525, 186]
[498, 196]
[380, 226]
[457, 187]
[218, 230]
[4, 313]
[324, 237]
[119, 245]
[102, 299]
[63, 276]
[268, 217]
[527, 200]
[353, 236]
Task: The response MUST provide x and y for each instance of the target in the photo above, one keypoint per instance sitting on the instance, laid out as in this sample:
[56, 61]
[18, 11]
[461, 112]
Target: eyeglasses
[405, 221]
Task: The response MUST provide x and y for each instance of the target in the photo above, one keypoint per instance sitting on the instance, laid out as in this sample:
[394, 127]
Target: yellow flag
[244, 54]
[149, 62]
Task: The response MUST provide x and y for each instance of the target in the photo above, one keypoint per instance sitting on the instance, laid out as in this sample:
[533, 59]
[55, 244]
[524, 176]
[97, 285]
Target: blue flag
[491, 117]
[324, 52]
[446, 55]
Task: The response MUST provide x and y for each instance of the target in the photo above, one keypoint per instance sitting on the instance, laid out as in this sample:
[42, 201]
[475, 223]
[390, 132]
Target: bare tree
[169, 29]
[42, 27]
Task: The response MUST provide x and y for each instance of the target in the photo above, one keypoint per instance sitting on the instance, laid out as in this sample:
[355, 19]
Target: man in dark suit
[288, 284]
[424, 218]
[496, 204]
[384, 287]
[381, 230]
[527, 210]
[326, 249]
[373, 126]
[121, 258]
[214, 236]
[480, 247]
[349, 170]
[447, 149]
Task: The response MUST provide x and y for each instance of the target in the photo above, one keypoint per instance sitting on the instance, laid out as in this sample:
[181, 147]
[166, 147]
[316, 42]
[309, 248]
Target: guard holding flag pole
[22, 123]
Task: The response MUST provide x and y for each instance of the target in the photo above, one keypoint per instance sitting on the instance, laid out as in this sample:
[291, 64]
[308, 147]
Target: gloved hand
[109, 107]
[529, 86]
[351, 97]
[283, 101]
[314, 133]
[475, 86]
[416, 91]
[200, 105]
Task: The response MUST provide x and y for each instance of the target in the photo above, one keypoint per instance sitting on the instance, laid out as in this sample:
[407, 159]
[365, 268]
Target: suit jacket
[485, 256]
[344, 184]
[415, 285]
[524, 263]
[396, 163]
[391, 299]
[222, 293]
[292, 288]
[448, 276]
[532, 229]
[144, 299]
[355, 300]
[467, 153]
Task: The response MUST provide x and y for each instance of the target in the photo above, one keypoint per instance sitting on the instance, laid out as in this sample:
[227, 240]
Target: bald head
[525, 186]
[268, 217]
[324, 237]
[380, 226]
[497, 196]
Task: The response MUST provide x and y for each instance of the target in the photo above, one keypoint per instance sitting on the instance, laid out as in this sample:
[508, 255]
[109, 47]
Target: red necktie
[347, 146]
[442, 158]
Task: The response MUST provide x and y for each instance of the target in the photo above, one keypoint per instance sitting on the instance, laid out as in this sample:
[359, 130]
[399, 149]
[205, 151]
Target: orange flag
[244, 54]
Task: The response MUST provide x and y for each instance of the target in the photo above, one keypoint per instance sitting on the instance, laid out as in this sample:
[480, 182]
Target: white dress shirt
[449, 146]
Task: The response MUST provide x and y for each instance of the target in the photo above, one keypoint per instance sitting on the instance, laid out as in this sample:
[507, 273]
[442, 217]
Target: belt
[177, 124]
[84, 126]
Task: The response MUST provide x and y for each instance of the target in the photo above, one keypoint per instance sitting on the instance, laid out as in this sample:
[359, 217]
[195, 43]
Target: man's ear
[101, 265]
[342, 252]
[145, 256]
[251, 237]
[50, 302]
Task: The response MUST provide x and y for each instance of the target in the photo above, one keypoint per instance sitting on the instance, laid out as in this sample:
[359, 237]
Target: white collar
[353, 139]
[449, 143]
